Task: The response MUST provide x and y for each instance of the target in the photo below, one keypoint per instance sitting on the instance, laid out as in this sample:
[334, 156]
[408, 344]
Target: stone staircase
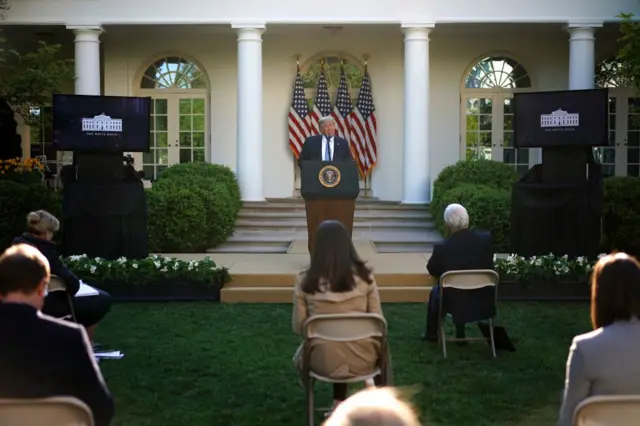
[273, 226]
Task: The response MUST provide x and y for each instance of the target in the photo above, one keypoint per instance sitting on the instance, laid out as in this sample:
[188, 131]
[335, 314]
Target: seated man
[463, 250]
[41, 356]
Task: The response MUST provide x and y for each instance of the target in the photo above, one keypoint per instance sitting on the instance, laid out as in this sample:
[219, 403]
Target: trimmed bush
[493, 174]
[17, 200]
[177, 219]
[621, 216]
[218, 190]
[489, 210]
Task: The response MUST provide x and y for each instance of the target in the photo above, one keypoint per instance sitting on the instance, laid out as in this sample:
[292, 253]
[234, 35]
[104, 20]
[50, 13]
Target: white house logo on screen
[558, 119]
[102, 125]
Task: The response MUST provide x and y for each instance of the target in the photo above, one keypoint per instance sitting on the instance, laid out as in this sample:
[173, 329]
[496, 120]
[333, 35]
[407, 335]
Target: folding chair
[341, 328]
[622, 410]
[56, 411]
[471, 296]
[57, 284]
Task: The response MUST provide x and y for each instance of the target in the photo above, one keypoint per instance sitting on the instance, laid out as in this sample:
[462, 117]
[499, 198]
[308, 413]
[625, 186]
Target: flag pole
[366, 61]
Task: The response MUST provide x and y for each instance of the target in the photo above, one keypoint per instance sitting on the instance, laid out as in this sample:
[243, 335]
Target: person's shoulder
[60, 327]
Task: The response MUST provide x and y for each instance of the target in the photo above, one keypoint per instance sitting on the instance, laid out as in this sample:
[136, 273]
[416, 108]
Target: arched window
[609, 74]
[497, 72]
[173, 72]
[487, 108]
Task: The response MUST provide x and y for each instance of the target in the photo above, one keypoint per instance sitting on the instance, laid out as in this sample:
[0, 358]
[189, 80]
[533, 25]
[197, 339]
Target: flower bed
[153, 278]
[27, 171]
[545, 277]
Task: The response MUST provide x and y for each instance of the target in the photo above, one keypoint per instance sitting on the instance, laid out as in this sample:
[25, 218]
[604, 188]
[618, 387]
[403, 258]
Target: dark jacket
[464, 250]
[42, 357]
[312, 149]
[50, 251]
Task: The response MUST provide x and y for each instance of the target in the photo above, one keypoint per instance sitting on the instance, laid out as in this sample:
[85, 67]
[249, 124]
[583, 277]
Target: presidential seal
[329, 176]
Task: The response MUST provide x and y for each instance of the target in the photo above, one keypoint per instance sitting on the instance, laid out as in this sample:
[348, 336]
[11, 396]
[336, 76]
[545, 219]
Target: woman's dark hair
[615, 290]
[335, 260]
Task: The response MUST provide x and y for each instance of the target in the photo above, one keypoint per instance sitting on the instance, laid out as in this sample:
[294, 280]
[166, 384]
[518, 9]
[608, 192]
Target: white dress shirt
[326, 140]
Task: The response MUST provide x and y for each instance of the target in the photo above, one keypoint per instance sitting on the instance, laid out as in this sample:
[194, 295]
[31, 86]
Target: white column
[582, 57]
[249, 121]
[416, 182]
[87, 59]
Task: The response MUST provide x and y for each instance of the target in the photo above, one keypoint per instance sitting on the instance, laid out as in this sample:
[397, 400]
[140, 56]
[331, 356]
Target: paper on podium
[86, 290]
[109, 355]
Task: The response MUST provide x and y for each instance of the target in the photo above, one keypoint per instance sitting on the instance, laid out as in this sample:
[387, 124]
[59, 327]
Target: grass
[211, 364]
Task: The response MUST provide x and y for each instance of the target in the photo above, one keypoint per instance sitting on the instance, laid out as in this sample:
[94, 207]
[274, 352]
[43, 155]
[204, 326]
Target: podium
[329, 190]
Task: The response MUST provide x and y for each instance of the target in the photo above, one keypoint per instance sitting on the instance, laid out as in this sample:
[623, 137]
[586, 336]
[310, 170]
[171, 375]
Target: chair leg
[71, 308]
[443, 339]
[310, 404]
[493, 342]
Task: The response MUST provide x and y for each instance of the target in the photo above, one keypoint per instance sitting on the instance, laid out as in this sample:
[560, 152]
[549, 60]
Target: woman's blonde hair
[374, 407]
[41, 222]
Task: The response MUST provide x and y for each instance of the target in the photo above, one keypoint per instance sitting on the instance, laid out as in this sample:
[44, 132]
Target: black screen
[101, 124]
[565, 118]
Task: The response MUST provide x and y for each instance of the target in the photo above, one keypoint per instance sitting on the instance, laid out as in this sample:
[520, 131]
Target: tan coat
[338, 360]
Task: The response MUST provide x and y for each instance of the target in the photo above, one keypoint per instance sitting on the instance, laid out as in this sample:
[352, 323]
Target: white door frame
[173, 97]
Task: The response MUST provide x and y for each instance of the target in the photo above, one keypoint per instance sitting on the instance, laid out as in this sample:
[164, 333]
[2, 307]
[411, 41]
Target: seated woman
[337, 282]
[605, 361]
[89, 310]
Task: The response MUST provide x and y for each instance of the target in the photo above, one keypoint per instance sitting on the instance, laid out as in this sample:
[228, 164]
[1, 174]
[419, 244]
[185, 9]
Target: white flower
[164, 270]
[122, 260]
[93, 269]
[190, 267]
[134, 265]
[176, 266]
[98, 260]
[158, 265]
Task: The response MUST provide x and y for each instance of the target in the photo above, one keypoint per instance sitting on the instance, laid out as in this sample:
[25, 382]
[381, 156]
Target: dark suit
[312, 149]
[41, 357]
[89, 310]
[464, 250]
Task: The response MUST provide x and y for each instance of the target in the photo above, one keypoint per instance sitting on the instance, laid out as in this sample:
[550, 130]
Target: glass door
[479, 140]
[157, 159]
[190, 146]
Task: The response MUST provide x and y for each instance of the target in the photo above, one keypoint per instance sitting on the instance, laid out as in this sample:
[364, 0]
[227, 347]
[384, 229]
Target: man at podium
[326, 146]
[329, 179]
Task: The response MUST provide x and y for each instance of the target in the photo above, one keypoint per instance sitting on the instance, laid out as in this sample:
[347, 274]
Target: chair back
[56, 411]
[470, 295]
[608, 411]
[56, 284]
[345, 327]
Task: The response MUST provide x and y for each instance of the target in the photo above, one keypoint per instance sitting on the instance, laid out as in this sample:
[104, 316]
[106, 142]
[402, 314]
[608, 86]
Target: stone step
[403, 247]
[299, 206]
[300, 225]
[396, 294]
[406, 279]
[382, 215]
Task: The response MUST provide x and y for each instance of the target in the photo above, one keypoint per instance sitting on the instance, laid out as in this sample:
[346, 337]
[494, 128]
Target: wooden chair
[471, 296]
[57, 284]
[341, 328]
[56, 411]
[622, 410]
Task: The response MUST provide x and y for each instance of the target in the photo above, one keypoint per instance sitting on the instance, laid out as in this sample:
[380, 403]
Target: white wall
[543, 50]
[92, 12]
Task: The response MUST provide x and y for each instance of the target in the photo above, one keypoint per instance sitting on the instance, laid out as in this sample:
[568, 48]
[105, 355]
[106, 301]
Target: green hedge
[214, 190]
[621, 216]
[17, 200]
[483, 187]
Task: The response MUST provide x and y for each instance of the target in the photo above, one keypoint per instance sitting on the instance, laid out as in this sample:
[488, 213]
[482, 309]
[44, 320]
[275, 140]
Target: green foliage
[489, 210]
[352, 72]
[29, 79]
[629, 53]
[483, 187]
[621, 216]
[216, 189]
[17, 200]
[174, 214]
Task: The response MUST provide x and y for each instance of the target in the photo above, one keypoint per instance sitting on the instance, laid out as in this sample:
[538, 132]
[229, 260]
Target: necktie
[327, 152]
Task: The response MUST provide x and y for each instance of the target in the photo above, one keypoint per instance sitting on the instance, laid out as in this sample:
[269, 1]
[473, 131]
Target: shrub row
[192, 207]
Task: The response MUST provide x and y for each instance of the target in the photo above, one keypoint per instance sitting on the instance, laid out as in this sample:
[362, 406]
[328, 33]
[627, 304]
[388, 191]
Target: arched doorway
[487, 112]
[622, 156]
[354, 72]
[179, 113]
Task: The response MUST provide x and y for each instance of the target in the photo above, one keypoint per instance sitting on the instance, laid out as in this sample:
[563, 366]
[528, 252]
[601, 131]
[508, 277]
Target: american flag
[322, 104]
[298, 117]
[342, 108]
[364, 128]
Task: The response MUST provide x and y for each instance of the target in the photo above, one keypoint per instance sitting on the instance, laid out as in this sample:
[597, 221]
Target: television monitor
[101, 124]
[561, 119]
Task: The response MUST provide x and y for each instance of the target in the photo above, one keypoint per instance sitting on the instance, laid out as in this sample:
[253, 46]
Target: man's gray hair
[456, 217]
[327, 119]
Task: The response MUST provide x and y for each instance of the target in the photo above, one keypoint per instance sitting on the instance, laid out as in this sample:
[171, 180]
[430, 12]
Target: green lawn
[211, 364]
